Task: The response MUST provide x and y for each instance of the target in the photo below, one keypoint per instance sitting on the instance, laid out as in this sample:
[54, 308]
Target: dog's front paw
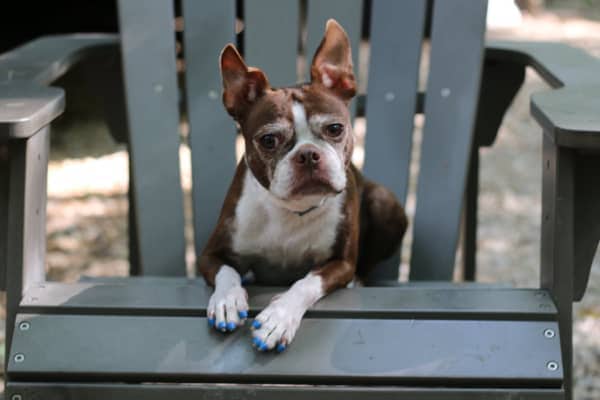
[276, 325]
[227, 308]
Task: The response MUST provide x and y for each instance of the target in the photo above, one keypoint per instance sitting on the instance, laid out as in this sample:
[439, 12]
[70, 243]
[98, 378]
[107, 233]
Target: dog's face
[299, 140]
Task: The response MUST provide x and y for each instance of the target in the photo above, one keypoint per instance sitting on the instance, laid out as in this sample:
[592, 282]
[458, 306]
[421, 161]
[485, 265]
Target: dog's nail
[243, 314]
[222, 326]
[281, 347]
[231, 326]
[256, 324]
[211, 322]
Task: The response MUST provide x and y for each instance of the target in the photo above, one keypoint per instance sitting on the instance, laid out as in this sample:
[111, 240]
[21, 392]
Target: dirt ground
[87, 203]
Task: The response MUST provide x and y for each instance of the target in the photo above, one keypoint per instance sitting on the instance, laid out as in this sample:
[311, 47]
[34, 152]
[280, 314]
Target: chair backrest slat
[457, 44]
[209, 26]
[396, 38]
[148, 51]
[271, 38]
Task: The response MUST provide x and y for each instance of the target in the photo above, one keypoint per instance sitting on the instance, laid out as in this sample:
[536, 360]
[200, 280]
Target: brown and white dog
[298, 212]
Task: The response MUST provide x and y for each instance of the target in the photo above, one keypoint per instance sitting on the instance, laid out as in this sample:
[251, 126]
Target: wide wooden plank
[209, 26]
[178, 391]
[271, 37]
[392, 91]
[148, 52]
[456, 59]
[332, 351]
[191, 298]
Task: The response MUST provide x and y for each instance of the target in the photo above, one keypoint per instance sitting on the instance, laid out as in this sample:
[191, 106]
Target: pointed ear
[332, 63]
[242, 85]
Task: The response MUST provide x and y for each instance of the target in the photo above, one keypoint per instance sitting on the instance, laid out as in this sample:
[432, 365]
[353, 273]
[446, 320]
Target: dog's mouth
[312, 183]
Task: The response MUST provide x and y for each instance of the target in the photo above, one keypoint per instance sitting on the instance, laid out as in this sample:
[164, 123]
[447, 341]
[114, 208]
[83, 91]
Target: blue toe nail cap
[263, 346]
[222, 325]
[256, 341]
[211, 322]
[231, 326]
[243, 314]
[256, 324]
[280, 347]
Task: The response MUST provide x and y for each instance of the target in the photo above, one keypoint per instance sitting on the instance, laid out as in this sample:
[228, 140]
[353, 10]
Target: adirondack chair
[147, 336]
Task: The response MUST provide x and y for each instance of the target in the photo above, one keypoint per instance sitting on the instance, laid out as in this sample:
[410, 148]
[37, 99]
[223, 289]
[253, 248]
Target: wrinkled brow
[279, 125]
[318, 120]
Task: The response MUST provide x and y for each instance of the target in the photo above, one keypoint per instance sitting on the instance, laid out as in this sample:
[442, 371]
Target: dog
[298, 212]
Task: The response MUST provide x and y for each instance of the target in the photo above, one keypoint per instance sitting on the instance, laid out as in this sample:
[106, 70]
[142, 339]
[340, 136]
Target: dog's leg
[383, 223]
[276, 325]
[228, 305]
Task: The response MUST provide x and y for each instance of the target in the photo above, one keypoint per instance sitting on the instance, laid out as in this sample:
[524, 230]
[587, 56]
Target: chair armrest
[26, 108]
[26, 103]
[557, 63]
[570, 113]
[45, 59]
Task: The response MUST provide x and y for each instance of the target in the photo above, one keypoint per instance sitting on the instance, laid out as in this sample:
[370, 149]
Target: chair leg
[557, 247]
[470, 218]
[26, 239]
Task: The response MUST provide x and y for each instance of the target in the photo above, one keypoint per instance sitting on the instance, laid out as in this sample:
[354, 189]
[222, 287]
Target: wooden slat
[396, 39]
[208, 28]
[181, 391]
[148, 50]
[338, 351]
[450, 109]
[271, 38]
[191, 298]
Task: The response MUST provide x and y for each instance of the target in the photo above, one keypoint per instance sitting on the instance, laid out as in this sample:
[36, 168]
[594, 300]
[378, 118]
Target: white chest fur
[264, 229]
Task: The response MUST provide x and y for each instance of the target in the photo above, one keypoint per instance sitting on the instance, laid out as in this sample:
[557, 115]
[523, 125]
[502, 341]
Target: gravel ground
[87, 201]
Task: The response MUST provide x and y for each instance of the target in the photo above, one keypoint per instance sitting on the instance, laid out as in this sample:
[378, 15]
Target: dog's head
[299, 140]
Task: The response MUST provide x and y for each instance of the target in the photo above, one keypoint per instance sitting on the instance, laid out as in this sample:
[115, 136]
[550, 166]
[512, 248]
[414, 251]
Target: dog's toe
[227, 309]
[274, 328]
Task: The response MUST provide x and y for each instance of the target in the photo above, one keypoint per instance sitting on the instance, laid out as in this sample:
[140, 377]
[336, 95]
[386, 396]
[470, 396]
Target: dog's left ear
[332, 63]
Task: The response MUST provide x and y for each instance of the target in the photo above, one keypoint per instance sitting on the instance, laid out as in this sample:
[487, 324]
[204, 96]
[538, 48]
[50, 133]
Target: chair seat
[414, 336]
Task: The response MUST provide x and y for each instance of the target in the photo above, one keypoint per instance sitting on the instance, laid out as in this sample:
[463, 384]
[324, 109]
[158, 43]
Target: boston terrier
[298, 212]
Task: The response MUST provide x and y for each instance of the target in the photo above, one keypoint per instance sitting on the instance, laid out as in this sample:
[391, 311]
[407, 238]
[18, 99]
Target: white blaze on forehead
[303, 132]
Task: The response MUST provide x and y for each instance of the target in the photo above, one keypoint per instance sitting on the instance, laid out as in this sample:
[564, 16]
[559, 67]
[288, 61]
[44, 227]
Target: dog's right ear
[242, 85]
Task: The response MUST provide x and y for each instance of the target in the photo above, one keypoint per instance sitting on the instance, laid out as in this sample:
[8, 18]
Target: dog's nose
[307, 156]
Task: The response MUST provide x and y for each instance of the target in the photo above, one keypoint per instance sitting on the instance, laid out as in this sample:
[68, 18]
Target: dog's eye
[268, 141]
[334, 130]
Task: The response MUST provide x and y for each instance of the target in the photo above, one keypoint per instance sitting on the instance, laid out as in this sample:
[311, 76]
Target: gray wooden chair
[147, 336]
